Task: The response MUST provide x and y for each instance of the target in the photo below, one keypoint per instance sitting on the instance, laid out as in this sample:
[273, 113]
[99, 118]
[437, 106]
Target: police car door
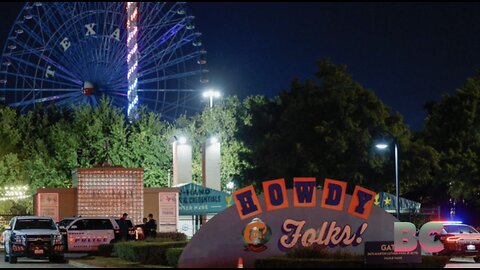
[77, 234]
[102, 232]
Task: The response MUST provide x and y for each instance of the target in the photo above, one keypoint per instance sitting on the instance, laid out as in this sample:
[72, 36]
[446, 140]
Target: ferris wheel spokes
[44, 99]
[55, 49]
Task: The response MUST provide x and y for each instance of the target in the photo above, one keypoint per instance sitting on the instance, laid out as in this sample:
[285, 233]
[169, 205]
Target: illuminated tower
[132, 57]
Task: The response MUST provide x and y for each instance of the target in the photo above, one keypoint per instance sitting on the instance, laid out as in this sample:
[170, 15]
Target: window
[107, 224]
[80, 225]
[32, 224]
[65, 222]
[101, 224]
[459, 229]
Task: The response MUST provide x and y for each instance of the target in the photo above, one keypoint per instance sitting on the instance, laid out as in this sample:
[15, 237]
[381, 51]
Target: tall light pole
[383, 146]
[211, 94]
[230, 187]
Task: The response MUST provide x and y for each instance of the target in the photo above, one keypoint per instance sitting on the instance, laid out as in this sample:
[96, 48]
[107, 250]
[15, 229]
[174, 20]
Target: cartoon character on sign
[255, 235]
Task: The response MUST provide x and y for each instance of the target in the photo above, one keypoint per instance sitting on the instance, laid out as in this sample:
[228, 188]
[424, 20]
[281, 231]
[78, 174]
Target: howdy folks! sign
[279, 220]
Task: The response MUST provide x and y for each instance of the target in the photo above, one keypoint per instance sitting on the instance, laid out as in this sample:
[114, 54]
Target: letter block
[246, 202]
[334, 194]
[275, 194]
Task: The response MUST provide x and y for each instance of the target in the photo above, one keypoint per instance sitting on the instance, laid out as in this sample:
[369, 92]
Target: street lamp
[213, 140]
[383, 146]
[211, 94]
[181, 139]
[230, 186]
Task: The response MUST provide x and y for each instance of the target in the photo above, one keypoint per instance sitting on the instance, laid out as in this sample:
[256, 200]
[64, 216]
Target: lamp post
[383, 146]
[211, 94]
[230, 187]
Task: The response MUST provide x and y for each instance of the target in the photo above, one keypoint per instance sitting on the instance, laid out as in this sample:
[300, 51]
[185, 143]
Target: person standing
[151, 226]
[144, 228]
[123, 226]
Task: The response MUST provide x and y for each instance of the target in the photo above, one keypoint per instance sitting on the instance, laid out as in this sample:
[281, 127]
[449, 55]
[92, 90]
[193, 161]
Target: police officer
[151, 226]
[122, 224]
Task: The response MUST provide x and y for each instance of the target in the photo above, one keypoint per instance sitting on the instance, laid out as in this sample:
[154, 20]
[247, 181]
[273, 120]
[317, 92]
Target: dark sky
[407, 53]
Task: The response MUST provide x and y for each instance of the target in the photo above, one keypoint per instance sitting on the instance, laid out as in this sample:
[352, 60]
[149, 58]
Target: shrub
[174, 236]
[173, 254]
[146, 252]
[105, 250]
[162, 239]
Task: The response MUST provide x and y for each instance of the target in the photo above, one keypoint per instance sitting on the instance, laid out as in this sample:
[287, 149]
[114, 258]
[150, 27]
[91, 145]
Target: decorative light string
[13, 193]
[132, 57]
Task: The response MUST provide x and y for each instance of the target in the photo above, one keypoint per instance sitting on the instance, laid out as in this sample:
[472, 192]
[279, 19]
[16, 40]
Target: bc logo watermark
[406, 238]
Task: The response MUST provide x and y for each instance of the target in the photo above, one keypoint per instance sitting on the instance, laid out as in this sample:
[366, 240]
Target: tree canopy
[323, 128]
[453, 128]
[327, 129]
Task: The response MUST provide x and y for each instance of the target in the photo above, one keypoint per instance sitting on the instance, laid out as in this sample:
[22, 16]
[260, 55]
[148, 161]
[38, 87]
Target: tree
[148, 147]
[453, 128]
[327, 129]
[9, 131]
[223, 121]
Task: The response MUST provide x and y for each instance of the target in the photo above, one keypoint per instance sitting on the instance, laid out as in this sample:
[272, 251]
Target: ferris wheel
[73, 53]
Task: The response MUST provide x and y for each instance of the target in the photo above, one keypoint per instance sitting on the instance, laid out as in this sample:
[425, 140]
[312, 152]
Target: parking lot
[30, 263]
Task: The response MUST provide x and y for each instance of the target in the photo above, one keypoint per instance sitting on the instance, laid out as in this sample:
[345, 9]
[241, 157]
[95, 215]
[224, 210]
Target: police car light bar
[450, 222]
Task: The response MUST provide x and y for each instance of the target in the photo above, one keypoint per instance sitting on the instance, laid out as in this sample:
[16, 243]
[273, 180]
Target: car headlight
[19, 239]
[57, 239]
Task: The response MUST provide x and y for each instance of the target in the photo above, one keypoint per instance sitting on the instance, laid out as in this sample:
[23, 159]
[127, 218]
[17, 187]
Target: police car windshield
[459, 229]
[35, 224]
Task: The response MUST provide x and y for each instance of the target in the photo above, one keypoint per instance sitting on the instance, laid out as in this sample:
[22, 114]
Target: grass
[114, 262]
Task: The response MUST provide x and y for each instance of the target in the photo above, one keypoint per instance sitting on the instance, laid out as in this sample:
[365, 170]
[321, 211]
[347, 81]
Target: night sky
[407, 53]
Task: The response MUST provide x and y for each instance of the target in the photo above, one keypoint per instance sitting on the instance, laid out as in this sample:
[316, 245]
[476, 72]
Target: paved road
[462, 263]
[30, 263]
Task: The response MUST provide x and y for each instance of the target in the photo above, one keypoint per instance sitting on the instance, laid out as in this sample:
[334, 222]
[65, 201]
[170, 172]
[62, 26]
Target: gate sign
[196, 200]
[168, 212]
[384, 253]
[280, 220]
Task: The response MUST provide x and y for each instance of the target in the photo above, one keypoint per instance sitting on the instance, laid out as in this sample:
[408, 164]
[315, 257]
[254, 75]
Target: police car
[459, 240]
[34, 237]
[87, 233]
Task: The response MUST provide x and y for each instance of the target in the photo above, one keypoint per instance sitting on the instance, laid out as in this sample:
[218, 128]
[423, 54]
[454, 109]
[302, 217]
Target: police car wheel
[12, 259]
[57, 259]
[477, 259]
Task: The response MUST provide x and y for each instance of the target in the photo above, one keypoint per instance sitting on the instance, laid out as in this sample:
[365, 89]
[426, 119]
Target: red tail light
[452, 239]
[444, 237]
[17, 248]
